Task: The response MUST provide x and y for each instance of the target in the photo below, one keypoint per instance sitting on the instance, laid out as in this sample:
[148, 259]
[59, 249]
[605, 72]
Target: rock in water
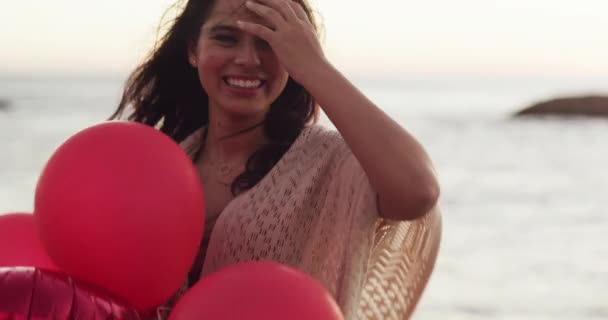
[4, 105]
[592, 106]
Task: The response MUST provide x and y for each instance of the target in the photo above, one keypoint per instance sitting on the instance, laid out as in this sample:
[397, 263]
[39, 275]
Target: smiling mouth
[244, 83]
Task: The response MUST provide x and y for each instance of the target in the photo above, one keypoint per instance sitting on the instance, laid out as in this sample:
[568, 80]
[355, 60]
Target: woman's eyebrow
[224, 28]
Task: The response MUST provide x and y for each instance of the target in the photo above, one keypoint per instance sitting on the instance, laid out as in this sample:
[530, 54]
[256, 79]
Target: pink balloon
[257, 291]
[20, 244]
[30, 293]
[120, 205]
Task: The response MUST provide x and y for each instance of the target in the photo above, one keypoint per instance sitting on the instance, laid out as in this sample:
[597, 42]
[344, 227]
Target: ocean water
[524, 201]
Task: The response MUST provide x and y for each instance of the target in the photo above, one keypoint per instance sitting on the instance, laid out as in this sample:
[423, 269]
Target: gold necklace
[222, 172]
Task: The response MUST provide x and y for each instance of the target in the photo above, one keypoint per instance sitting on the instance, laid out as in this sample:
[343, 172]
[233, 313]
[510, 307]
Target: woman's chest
[217, 197]
[266, 223]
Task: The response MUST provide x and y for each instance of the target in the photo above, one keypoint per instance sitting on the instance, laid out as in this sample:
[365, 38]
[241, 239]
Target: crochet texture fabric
[316, 211]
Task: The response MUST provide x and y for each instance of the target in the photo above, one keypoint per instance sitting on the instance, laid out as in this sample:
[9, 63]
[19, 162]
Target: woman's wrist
[319, 77]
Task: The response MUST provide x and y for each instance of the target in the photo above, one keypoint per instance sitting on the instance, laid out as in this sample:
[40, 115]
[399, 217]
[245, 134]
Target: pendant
[224, 169]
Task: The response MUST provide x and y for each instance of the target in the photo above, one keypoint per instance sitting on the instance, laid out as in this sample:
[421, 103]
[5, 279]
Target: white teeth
[249, 84]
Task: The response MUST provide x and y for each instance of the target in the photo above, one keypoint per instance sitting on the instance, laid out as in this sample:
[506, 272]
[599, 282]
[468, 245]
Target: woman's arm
[395, 163]
[397, 166]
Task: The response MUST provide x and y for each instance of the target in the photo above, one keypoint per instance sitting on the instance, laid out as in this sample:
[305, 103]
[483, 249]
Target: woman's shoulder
[317, 143]
[318, 136]
[192, 142]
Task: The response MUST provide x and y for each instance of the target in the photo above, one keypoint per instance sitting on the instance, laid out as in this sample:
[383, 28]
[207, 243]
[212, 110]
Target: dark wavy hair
[165, 92]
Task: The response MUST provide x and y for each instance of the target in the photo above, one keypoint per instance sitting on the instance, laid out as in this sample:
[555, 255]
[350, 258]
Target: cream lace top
[316, 211]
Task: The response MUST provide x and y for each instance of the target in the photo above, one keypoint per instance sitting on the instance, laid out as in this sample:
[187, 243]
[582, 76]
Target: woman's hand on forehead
[288, 9]
[287, 29]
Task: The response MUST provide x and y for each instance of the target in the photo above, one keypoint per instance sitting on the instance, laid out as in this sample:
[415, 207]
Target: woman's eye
[225, 39]
[263, 45]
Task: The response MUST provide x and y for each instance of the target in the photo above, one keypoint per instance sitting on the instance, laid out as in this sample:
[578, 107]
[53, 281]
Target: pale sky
[386, 36]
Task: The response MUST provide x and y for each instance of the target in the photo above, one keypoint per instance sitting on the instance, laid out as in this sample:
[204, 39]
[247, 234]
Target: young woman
[238, 84]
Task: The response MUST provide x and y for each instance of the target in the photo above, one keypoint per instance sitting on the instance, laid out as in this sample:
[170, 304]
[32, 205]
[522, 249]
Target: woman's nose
[248, 55]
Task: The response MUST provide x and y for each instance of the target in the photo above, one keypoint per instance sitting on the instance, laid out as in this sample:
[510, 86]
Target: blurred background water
[525, 210]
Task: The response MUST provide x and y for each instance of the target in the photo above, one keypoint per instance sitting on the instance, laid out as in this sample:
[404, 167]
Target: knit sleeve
[358, 191]
[348, 225]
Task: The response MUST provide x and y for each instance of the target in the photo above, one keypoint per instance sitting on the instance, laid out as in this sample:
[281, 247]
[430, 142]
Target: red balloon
[30, 293]
[20, 244]
[257, 291]
[120, 206]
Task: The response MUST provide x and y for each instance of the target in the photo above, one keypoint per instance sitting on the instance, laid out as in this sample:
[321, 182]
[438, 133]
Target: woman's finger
[261, 31]
[269, 14]
[282, 6]
[299, 11]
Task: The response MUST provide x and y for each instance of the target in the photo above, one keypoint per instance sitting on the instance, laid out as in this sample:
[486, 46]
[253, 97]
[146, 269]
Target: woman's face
[239, 72]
